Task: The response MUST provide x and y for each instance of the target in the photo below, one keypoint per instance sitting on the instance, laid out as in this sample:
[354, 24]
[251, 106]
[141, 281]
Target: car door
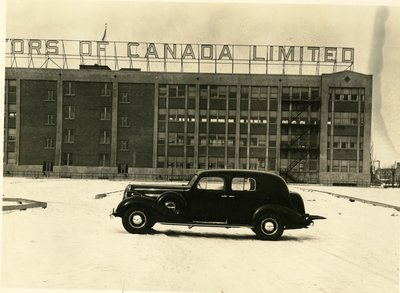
[243, 199]
[208, 199]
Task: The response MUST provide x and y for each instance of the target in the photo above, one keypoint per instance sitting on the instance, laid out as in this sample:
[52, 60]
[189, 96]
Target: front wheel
[268, 227]
[137, 220]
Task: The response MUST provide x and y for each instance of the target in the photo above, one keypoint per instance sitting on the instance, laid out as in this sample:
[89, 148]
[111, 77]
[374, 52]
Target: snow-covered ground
[73, 244]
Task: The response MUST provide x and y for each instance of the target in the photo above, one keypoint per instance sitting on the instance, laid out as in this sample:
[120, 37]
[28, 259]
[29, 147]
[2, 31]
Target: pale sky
[238, 23]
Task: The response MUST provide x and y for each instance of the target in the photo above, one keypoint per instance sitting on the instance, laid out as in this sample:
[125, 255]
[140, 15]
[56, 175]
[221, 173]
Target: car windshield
[192, 180]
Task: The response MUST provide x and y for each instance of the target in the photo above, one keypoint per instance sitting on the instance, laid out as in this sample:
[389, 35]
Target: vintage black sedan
[217, 198]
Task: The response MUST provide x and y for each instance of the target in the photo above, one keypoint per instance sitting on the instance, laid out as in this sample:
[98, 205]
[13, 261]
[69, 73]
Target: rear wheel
[137, 220]
[268, 227]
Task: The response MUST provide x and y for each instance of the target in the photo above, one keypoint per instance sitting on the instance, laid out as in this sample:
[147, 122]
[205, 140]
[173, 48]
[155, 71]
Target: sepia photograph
[200, 146]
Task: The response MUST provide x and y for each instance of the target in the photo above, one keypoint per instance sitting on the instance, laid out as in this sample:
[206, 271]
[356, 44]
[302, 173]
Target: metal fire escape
[303, 142]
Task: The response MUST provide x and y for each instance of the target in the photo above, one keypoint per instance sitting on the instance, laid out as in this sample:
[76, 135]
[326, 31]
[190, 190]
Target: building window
[50, 96]
[12, 134]
[258, 140]
[105, 113]
[216, 139]
[176, 138]
[124, 98]
[69, 136]
[176, 162]
[160, 162]
[70, 89]
[191, 91]
[244, 93]
[202, 139]
[162, 90]
[124, 122]
[190, 139]
[216, 163]
[49, 143]
[122, 168]
[243, 140]
[123, 145]
[177, 115]
[50, 120]
[258, 117]
[106, 90]
[67, 159]
[69, 112]
[161, 138]
[104, 160]
[217, 116]
[105, 137]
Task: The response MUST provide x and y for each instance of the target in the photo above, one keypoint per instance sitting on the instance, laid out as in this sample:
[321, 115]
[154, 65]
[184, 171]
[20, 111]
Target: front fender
[159, 212]
[133, 201]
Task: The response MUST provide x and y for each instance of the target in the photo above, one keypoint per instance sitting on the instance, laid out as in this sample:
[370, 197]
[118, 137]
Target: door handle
[231, 196]
[224, 196]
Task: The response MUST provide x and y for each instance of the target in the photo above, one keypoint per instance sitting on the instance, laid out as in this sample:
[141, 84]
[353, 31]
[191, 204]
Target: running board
[206, 224]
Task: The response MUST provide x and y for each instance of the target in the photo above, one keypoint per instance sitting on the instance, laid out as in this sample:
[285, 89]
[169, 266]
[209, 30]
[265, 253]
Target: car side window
[211, 183]
[243, 184]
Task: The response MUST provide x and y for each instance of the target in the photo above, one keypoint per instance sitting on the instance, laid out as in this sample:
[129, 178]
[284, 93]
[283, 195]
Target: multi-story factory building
[308, 128]
[182, 107]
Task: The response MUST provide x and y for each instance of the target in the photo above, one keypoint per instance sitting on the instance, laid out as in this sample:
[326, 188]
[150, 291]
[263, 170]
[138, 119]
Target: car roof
[237, 172]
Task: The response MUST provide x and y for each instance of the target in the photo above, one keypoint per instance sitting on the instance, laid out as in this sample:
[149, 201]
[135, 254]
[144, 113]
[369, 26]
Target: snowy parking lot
[73, 244]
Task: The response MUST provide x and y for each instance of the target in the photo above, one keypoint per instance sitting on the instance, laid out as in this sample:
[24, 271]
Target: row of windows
[255, 140]
[215, 162]
[103, 159]
[70, 89]
[300, 93]
[345, 118]
[69, 114]
[344, 166]
[69, 137]
[347, 94]
[344, 142]
[304, 165]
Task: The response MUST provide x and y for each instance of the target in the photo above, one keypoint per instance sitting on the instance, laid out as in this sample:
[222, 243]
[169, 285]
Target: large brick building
[95, 120]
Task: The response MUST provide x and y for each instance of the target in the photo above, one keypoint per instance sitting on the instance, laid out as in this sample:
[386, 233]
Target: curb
[351, 198]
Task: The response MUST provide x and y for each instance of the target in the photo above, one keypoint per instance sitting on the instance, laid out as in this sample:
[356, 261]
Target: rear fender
[289, 216]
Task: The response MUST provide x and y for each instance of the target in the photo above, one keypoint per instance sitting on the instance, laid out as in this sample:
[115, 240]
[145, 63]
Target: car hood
[154, 190]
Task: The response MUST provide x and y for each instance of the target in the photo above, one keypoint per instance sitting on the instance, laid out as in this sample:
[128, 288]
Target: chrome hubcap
[137, 220]
[269, 226]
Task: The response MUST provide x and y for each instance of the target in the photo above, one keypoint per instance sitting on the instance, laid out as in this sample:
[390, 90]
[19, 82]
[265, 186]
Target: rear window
[243, 184]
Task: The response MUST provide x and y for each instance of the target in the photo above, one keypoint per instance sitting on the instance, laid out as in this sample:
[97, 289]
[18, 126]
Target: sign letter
[313, 50]
[225, 52]
[255, 58]
[330, 54]
[52, 47]
[347, 55]
[129, 50]
[151, 50]
[172, 51]
[34, 45]
[14, 45]
[85, 48]
[188, 52]
[210, 49]
[286, 56]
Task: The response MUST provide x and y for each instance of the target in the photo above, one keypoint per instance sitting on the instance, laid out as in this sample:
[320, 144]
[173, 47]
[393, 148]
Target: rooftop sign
[217, 58]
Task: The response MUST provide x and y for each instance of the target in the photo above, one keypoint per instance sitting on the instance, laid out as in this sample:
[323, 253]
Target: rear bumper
[309, 219]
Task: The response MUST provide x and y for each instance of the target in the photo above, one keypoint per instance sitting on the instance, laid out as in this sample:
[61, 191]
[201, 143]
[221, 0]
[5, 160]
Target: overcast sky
[373, 32]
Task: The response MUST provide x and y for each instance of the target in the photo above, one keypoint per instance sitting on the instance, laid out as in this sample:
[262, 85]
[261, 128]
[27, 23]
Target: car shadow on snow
[215, 235]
